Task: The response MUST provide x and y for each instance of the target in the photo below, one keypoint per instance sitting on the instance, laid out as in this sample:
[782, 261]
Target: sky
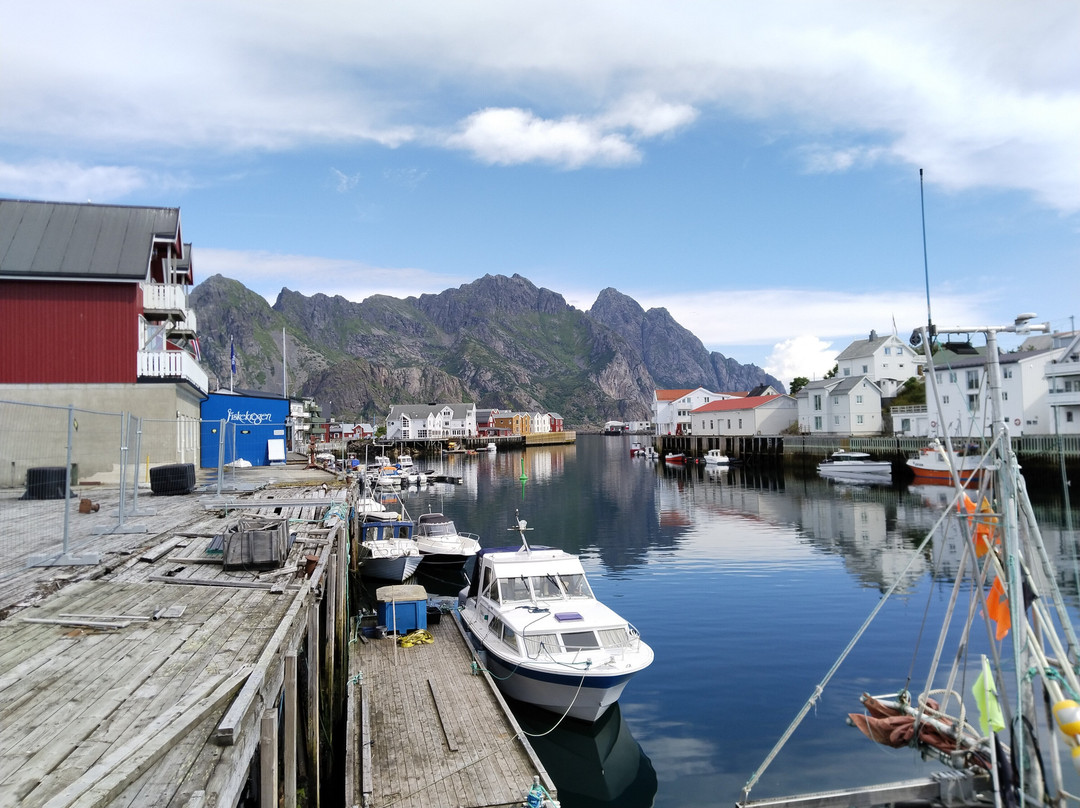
[752, 167]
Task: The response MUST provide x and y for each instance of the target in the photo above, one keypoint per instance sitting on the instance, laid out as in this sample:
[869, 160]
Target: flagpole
[232, 362]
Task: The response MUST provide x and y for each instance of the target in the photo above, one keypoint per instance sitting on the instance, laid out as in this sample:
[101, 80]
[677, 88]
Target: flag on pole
[997, 609]
[985, 692]
[232, 359]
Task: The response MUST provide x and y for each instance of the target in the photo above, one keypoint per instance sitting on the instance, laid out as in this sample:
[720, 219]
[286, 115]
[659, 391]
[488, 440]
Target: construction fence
[55, 460]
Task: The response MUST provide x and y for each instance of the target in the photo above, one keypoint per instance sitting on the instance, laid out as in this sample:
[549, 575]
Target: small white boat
[716, 457]
[491, 447]
[543, 635]
[388, 551]
[389, 476]
[637, 449]
[405, 461]
[850, 466]
[442, 544]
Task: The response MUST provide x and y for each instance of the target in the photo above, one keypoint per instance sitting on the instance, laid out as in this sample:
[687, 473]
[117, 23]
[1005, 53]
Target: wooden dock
[424, 729]
[159, 678]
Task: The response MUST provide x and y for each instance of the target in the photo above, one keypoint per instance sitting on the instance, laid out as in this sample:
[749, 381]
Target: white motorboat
[544, 636]
[388, 551]
[491, 447]
[442, 544]
[851, 466]
[389, 476]
[716, 457]
[405, 462]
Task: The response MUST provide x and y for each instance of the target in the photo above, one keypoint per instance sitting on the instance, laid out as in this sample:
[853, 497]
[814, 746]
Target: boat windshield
[575, 585]
[546, 587]
[514, 589]
[437, 528]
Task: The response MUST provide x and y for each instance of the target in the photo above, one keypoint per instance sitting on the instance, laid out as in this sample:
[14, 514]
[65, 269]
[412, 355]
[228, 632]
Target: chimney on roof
[873, 334]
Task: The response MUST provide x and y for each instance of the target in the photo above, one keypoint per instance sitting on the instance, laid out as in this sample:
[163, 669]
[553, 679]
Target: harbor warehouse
[247, 427]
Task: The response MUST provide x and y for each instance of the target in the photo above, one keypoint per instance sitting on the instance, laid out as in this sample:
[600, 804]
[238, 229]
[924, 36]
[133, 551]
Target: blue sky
[751, 166]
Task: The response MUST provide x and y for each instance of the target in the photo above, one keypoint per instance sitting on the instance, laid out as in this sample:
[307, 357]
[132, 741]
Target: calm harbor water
[748, 585]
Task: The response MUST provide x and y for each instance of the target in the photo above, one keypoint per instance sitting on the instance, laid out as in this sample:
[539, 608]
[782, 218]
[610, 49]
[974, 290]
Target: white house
[886, 361]
[840, 406]
[541, 421]
[749, 415]
[671, 408]
[431, 421]
[1026, 380]
[1063, 383]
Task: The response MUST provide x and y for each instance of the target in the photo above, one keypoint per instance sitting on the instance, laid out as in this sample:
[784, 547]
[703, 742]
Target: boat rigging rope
[819, 688]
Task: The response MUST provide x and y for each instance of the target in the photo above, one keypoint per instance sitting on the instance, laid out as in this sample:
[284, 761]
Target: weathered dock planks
[169, 707]
[431, 731]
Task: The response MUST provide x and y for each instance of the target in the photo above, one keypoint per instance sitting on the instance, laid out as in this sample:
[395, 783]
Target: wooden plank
[225, 734]
[163, 549]
[289, 693]
[268, 759]
[444, 718]
[106, 779]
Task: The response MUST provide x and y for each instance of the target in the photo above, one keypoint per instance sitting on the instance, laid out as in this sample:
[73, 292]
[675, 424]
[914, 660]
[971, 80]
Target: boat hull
[390, 569]
[585, 696]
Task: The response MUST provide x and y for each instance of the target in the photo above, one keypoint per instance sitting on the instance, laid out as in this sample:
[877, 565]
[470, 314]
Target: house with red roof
[671, 408]
[746, 415]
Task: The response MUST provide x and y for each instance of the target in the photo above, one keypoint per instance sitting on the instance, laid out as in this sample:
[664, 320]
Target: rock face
[674, 357]
[498, 341]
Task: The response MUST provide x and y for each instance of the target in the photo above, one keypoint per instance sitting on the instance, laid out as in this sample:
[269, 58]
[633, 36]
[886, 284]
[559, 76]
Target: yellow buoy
[1067, 715]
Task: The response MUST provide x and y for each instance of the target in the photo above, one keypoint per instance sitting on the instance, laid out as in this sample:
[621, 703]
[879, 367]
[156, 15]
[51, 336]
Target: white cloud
[60, 179]
[511, 136]
[804, 355]
[980, 95]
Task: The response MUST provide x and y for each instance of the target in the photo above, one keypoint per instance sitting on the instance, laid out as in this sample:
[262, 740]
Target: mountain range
[498, 341]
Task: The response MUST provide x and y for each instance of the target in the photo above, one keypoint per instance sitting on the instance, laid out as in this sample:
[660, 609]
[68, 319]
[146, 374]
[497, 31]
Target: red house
[94, 311]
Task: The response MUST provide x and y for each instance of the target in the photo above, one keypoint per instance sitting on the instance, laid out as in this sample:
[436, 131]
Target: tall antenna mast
[926, 264]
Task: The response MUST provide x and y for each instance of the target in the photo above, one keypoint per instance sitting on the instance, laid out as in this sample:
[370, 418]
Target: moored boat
[441, 543]
[851, 466]
[935, 464]
[716, 457]
[543, 635]
[387, 550]
[675, 459]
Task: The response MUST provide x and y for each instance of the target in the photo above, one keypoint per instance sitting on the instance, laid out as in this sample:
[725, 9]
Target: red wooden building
[94, 310]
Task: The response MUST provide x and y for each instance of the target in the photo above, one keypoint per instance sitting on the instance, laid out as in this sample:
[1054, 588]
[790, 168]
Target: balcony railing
[175, 365]
[164, 297]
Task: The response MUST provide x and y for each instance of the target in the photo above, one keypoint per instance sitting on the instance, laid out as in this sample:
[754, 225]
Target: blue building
[255, 428]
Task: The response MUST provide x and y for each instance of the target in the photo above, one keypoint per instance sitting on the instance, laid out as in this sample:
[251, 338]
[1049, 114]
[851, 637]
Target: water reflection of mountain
[596, 765]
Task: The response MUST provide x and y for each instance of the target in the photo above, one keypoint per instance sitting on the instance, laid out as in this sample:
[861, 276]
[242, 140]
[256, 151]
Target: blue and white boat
[544, 636]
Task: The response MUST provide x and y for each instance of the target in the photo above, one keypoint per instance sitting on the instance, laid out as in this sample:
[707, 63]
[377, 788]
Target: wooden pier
[157, 677]
[425, 728]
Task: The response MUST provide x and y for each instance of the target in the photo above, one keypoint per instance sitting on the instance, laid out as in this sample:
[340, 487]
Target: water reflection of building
[858, 530]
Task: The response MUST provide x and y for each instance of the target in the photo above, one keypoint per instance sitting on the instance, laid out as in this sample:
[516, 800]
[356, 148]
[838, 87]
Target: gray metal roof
[64, 240]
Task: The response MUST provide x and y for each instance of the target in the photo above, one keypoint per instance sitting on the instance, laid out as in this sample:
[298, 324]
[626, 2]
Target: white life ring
[1017, 422]
[933, 423]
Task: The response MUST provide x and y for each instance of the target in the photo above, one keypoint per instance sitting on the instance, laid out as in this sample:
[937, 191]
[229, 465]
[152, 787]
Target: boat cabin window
[511, 589]
[509, 636]
[579, 640]
[537, 645]
[546, 586]
[439, 528]
[487, 586]
[575, 586]
[614, 637]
